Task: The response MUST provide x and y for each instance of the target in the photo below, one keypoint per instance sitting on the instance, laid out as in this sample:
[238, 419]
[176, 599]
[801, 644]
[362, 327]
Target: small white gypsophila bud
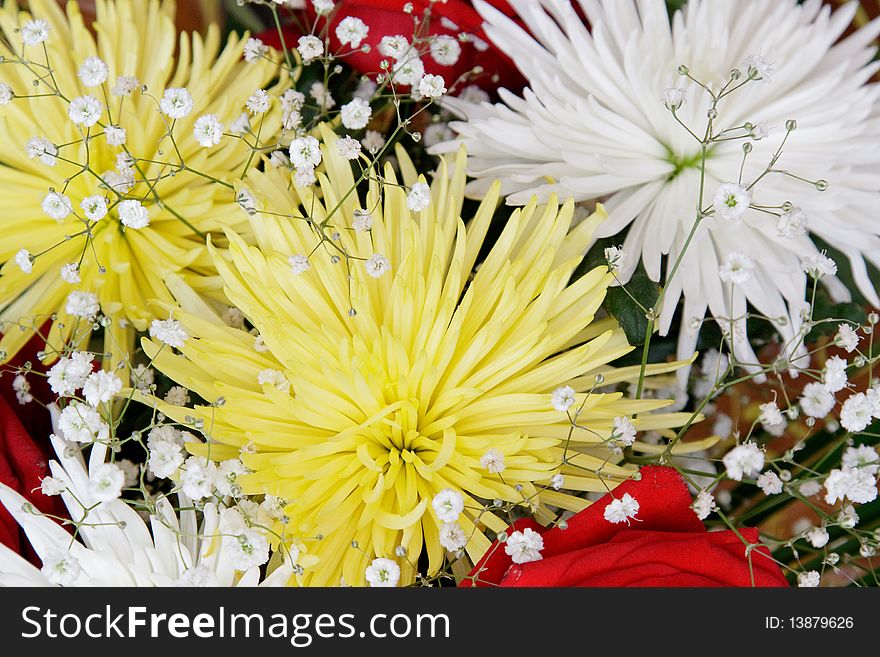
[557, 481]
[524, 546]
[259, 102]
[362, 221]
[274, 378]
[169, 331]
[100, 387]
[737, 268]
[731, 201]
[82, 304]
[621, 509]
[445, 50]
[493, 461]
[115, 135]
[227, 473]
[373, 141]
[305, 152]
[93, 72]
[351, 31]
[306, 178]
[792, 223]
[377, 265]
[809, 579]
[85, 111]
[393, 46]
[240, 125]
[247, 549]
[770, 483]
[817, 537]
[758, 68]
[52, 486]
[322, 96]
[60, 567]
[704, 504]
[816, 401]
[94, 207]
[743, 460]
[834, 375]
[6, 94]
[448, 505]
[408, 70]
[82, 423]
[69, 373]
[818, 265]
[42, 148]
[846, 338]
[133, 214]
[35, 31]
[452, 536]
[623, 431]
[24, 260]
[349, 148]
[562, 398]
[419, 197]
[310, 47]
[176, 103]
[165, 458]
[432, 86]
[299, 264]
[208, 130]
[125, 85]
[106, 482]
[356, 114]
[254, 49]
[382, 573]
[673, 97]
[22, 388]
[615, 257]
[197, 477]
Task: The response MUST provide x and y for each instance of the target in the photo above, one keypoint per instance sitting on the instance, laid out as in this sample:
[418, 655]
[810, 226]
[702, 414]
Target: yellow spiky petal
[438, 365]
[134, 38]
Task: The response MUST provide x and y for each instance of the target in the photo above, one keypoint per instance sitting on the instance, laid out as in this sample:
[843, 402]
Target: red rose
[387, 18]
[664, 545]
[35, 419]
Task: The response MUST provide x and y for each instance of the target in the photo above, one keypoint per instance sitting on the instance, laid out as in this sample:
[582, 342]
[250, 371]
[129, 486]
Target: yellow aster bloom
[125, 267]
[450, 354]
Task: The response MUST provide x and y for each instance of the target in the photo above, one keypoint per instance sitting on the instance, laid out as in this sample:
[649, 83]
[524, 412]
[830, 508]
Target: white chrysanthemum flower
[116, 547]
[524, 546]
[592, 124]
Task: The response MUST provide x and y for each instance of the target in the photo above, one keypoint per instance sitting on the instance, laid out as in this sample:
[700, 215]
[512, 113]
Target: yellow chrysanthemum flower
[125, 266]
[373, 394]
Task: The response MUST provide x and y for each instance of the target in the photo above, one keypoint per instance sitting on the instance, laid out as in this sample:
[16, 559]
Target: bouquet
[439, 293]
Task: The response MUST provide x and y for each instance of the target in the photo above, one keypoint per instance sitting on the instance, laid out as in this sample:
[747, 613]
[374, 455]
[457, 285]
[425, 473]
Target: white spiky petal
[593, 125]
